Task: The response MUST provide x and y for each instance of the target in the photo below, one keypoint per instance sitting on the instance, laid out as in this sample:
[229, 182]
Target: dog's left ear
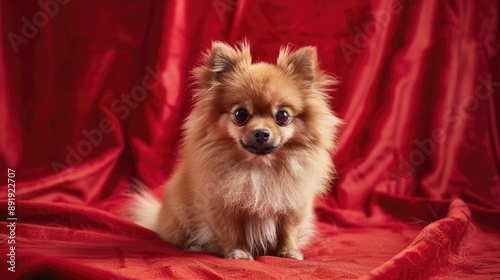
[221, 60]
[303, 63]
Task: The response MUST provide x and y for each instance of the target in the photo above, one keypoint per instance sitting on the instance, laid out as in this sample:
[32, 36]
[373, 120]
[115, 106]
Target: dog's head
[263, 108]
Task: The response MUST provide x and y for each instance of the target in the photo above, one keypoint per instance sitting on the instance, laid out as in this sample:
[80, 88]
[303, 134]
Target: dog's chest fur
[261, 234]
[260, 195]
[260, 191]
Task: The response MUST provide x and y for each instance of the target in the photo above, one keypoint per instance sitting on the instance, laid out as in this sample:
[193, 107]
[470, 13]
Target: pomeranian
[256, 152]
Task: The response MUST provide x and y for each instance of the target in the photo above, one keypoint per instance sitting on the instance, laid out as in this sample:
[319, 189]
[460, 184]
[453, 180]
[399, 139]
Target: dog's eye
[240, 116]
[282, 118]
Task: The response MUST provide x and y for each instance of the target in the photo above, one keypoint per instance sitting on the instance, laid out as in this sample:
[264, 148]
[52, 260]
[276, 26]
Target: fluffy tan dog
[256, 153]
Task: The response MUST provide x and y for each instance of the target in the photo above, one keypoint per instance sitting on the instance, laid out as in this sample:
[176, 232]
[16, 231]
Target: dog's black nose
[261, 135]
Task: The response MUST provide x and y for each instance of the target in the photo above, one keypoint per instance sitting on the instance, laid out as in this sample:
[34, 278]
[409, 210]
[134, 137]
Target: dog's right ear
[222, 59]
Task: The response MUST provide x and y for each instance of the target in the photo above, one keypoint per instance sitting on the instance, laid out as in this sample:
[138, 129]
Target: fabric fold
[429, 252]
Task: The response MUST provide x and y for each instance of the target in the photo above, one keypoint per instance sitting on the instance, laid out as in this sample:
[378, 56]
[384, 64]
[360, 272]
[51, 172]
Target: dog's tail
[143, 208]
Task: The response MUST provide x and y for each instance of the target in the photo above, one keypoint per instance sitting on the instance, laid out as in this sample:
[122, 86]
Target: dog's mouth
[260, 149]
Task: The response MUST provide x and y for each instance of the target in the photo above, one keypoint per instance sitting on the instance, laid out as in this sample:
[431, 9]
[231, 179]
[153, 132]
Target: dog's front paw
[239, 254]
[292, 254]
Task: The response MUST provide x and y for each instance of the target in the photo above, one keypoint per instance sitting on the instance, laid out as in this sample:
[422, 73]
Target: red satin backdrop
[93, 93]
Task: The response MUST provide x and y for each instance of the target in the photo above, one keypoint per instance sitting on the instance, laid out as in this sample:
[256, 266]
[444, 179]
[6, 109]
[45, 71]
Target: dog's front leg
[230, 232]
[288, 233]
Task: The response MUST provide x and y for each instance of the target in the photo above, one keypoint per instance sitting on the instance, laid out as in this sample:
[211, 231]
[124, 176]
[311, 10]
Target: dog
[256, 153]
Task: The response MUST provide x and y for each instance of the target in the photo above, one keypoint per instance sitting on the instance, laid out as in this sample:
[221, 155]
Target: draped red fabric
[92, 94]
